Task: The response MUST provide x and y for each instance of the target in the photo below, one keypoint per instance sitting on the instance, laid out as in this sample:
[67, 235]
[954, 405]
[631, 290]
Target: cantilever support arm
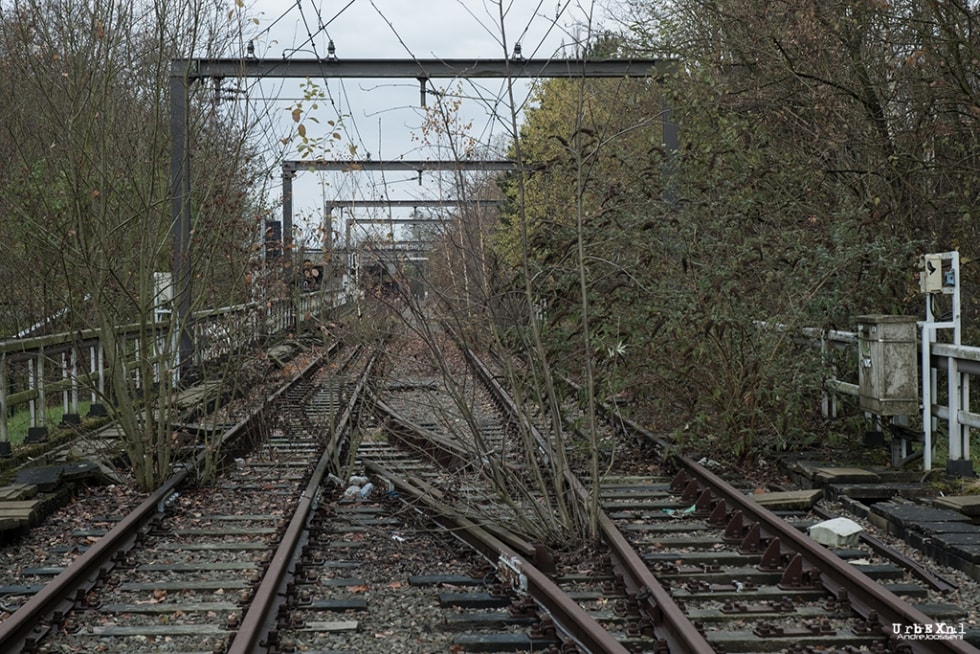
[180, 199]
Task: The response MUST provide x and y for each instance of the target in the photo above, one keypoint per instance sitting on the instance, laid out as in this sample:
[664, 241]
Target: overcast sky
[382, 117]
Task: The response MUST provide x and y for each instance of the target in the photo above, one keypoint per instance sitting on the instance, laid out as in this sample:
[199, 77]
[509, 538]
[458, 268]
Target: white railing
[833, 387]
[33, 371]
[949, 366]
[945, 369]
[959, 363]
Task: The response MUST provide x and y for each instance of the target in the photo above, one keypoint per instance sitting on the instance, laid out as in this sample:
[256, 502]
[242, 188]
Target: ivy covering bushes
[823, 148]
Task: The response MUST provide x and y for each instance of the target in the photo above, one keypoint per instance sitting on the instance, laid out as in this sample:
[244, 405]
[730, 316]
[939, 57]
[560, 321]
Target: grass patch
[940, 451]
[19, 422]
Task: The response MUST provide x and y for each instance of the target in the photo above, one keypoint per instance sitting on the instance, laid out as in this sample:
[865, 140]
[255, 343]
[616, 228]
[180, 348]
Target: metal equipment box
[888, 356]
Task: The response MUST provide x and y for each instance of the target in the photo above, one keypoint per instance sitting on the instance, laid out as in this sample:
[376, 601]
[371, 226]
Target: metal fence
[945, 404]
[71, 366]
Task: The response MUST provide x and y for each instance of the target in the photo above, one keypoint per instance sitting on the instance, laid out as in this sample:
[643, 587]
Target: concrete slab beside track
[947, 529]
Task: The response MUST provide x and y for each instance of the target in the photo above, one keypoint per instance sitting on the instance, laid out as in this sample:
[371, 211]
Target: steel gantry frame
[412, 203]
[291, 167]
[185, 72]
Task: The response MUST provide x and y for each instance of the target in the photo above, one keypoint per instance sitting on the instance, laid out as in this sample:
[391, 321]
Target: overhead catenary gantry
[398, 221]
[186, 72]
[292, 166]
[420, 69]
[386, 204]
[414, 247]
[413, 204]
[408, 204]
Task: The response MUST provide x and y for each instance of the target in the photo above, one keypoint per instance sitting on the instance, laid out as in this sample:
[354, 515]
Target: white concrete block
[837, 533]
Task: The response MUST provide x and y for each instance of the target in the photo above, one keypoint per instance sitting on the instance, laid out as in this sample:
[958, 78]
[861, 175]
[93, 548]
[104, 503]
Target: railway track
[369, 558]
[191, 568]
[691, 563]
[440, 541]
[729, 560]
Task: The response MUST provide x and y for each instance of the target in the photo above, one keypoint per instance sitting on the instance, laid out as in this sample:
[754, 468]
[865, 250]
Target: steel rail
[447, 454]
[670, 624]
[935, 581]
[25, 626]
[451, 456]
[257, 632]
[668, 619]
[567, 613]
[866, 596]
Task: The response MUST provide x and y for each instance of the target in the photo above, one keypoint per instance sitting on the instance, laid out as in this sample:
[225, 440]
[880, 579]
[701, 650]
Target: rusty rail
[924, 574]
[566, 612]
[258, 628]
[870, 600]
[25, 627]
[667, 619]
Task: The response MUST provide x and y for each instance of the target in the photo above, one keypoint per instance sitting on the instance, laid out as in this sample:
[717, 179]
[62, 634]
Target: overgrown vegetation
[823, 148]
[86, 193]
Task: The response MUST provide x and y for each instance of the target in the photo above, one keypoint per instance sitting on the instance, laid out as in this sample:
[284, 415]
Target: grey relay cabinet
[888, 379]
